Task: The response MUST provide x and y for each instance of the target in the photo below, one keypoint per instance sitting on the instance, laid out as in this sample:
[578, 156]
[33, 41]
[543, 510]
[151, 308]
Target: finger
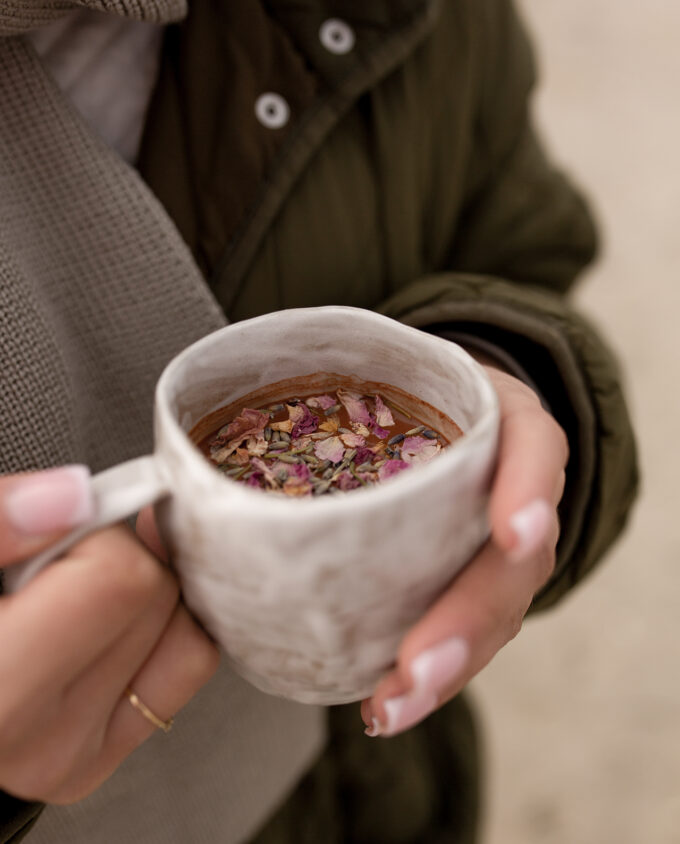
[479, 613]
[147, 531]
[82, 604]
[182, 662]
[57, 738]
[529, 479]
[36, 507]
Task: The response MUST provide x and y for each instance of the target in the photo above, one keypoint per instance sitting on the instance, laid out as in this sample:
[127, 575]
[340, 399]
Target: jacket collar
[19, 16]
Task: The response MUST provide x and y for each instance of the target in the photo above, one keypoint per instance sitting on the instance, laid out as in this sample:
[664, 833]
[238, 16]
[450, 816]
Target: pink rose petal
[330, 449]
[300, 471]
[297, 482]
[364, 455]
[381, 433]
[391, 468]
[346, 481]
[353, 440]
[322, 402]
[250, 423]
[267, 471]
[419, 450]
[304, 421]
[383, 415]
[354, 405]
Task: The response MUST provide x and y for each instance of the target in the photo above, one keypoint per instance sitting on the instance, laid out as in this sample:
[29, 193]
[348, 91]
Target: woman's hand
[484, 607]
[104, 618]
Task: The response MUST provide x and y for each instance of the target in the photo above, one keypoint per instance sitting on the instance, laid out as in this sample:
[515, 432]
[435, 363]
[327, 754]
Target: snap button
[337, 36]
[272, 110]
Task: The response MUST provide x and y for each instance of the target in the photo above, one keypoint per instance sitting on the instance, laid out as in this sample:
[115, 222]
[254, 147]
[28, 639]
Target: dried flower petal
[304, 421]
[295, 487]
[381, 433]
[364, 455]
[250, 423]
[360, 428]
[344, 443]
[301, 443]
[322, 402]
[419, 450]
[299, 471]
[247, 424]
[240, 457]
[391, 468]
[354, 405]
[268, 472]
[383, 415]
[257, 445]
[330, 449]
[331, 425]
[346, 481]
[286, 425]
[353, 440]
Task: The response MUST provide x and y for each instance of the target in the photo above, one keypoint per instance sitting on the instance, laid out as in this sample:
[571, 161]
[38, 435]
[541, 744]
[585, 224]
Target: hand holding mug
[484, 607]
[75, 638]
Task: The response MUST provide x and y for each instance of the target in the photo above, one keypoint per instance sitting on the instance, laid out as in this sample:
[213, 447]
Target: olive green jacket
[406, 178]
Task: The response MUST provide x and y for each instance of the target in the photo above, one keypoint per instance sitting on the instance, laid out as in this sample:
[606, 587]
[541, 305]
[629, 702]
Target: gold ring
[140, 706]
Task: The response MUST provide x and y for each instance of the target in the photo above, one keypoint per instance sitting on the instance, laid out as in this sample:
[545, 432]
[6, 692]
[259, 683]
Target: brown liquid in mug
[347, 435]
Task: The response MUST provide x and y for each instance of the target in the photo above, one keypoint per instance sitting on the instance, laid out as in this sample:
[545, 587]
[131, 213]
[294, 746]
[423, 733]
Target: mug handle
[118, 492]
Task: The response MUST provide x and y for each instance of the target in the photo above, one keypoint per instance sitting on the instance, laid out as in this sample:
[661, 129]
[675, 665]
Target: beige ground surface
[583, 710]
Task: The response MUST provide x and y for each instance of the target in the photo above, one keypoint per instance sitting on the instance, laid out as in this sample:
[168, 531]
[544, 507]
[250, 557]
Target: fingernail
[432, 671]
[531, 525]
[439, 666]
[406, 711]
[52, 500]
[375, 729]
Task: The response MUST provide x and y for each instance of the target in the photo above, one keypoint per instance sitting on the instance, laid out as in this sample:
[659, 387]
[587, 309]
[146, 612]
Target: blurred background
[582, 710]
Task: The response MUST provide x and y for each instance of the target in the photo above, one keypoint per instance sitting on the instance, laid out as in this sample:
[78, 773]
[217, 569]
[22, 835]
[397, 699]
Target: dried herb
[322, 444]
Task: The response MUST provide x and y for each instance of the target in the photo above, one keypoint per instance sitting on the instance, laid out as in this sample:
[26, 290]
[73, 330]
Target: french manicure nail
[375, 729]
[55, 499]
[439, 666]
[407, 710]
[531, 525]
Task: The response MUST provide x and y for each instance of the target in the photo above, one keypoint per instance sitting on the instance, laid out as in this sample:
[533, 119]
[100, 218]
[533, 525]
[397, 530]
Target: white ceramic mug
[309, 597]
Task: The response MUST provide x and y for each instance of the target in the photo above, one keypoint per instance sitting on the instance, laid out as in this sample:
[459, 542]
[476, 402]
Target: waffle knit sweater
[97, 293]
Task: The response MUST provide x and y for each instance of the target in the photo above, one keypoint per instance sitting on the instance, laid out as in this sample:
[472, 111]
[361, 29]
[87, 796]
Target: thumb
[37, 506]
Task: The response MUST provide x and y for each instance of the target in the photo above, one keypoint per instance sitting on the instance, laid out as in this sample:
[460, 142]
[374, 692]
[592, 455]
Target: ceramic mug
[309, 597]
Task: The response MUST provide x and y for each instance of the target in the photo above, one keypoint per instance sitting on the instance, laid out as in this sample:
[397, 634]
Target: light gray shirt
[107, 66]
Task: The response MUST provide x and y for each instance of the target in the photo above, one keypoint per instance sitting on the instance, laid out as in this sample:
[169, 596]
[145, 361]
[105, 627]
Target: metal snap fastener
[337, 36]
[272, 110]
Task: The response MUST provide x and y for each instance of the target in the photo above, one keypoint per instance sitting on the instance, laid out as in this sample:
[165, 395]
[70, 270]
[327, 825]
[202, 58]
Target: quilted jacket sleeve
[524, 235]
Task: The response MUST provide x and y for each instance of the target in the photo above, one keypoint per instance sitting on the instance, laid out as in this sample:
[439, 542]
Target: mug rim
[483, 430]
